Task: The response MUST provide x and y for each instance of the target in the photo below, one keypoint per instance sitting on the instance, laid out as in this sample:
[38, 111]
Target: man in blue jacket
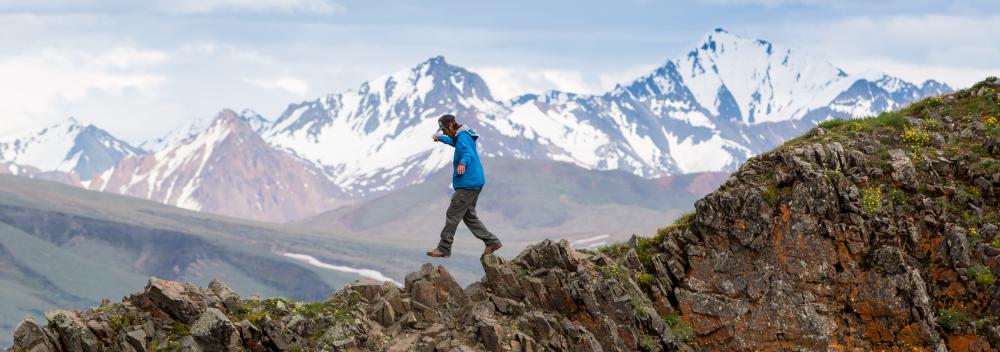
[467, 179]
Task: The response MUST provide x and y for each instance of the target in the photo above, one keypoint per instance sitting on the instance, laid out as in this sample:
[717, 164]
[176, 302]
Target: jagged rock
[958, 247]
[225, 294]
[175, 299]
[383, 313]
[214, 331]
[74, 336]
[31, 338]
[491, 336]
[902, 168]
[499, 277]
[137, 340]
[189, 344]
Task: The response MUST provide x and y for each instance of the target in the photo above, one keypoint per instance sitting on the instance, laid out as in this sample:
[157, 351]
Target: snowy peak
[254, 120]
[363, 138]
[67, 146]
[753, 80]
[251, 118]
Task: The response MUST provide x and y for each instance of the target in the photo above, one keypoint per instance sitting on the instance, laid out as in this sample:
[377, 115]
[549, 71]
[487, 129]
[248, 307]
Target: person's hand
[437, 138]
[461, 169]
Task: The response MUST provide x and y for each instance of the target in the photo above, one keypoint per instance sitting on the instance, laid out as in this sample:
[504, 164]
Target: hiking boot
[492, 248]
[437, 253]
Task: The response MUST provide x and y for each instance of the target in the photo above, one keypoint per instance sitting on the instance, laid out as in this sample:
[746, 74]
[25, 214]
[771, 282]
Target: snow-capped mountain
[720, 103]
[66, 147]
[723, 101]
[198, 125]
[226, 169]
[709, 109]
[379, 135]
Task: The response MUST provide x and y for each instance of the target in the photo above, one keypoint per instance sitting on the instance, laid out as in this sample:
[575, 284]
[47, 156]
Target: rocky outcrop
[879, 234]
[551, 297]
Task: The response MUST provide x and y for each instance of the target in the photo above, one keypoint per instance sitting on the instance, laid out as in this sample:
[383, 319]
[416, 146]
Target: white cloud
[288, 84]
[954, 49]
[34, 82]
[610, 79]
[323, 7]
[509, 82]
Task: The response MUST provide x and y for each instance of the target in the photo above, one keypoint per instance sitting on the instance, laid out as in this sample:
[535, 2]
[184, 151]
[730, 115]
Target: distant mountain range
[710, 109]
[66, 147]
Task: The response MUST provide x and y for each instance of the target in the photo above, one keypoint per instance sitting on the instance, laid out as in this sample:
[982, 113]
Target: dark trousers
[463, 207]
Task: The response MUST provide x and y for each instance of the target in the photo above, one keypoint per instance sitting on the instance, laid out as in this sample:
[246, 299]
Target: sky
[141, 68]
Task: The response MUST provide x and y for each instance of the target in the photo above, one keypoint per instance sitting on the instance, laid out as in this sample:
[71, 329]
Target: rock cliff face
[874, 234]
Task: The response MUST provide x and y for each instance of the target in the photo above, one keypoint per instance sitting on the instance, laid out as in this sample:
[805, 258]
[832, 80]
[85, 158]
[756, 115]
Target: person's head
[448, 125]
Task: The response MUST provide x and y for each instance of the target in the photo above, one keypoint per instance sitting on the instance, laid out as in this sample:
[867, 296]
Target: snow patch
[369, 273]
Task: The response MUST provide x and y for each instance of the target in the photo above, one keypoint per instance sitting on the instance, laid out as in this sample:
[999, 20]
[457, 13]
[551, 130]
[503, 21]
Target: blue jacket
[466, 154]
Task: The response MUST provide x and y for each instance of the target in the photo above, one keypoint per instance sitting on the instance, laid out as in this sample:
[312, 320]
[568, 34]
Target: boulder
[176, 299]
[214, 332]
[30, 337]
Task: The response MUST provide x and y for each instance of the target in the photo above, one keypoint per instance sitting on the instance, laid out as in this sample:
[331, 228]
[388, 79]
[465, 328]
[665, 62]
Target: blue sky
[140, 68]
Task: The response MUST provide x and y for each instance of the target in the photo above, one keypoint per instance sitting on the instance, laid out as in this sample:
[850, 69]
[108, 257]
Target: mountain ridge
[869, 234]
[707, 110]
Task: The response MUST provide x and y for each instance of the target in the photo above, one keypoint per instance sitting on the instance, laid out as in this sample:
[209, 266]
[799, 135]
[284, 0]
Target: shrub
[935, 101]
[897, 196]
[996, 242]
[649, 344]
[951, 319]
[981, 274]
[871, 199]
[680, 327]
[973, 236]
[916, 137]
[613, 249]
[991, 122]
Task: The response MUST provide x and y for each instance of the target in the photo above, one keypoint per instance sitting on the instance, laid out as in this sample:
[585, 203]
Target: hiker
[467, 179]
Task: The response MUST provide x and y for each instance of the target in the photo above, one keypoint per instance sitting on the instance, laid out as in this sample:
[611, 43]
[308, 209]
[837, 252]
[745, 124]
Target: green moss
[981, 274]
[181, 329]
[771, 194]
[644, 249]
[996, 242]
[645, 279]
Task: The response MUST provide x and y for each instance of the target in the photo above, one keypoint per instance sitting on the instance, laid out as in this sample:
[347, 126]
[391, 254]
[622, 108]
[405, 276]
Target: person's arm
[463, 147]
[446, 140]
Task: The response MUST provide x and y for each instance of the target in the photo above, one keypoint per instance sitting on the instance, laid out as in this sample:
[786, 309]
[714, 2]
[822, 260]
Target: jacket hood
[472, 132]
